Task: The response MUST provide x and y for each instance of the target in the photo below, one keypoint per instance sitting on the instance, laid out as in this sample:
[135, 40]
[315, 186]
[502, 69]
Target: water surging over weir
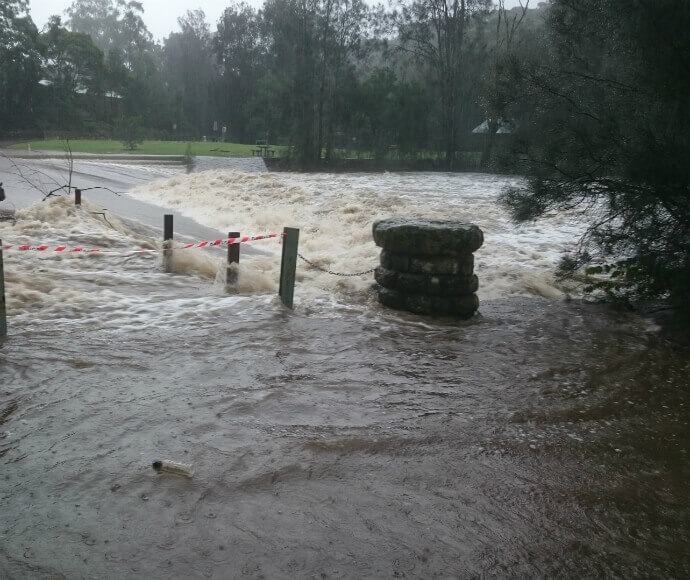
[543, 438]
[335, 214]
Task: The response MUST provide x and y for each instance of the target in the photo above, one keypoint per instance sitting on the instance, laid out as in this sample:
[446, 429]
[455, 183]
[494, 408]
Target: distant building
[505, 126]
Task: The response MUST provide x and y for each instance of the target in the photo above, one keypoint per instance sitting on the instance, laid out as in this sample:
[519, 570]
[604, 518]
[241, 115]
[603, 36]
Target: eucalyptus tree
[375, 102]
[435, 33]
[239, 52]
[189, 70]
[134, 38]
[497, 95]
[312, 44]
[342, 25]
[146, 94]
[20, 66]
[73, 66]
[412, 118]
[132, 60]
[113, 25]
[100, 19]
[291, 31]
[72, 59]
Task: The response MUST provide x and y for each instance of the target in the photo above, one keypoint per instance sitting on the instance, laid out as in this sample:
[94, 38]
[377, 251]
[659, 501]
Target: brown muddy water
[544, 438]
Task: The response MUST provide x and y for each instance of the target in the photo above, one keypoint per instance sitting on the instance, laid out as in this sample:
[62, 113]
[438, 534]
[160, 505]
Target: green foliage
[20, 66]
[377, 95]
[435, 32]
[189, 72]
[74, 61]
[74, 73]
[189, 159]
[294, 72]
[393, 114]
[97, 18]
[608, 130]
[264, 110]
[130, 130]
[311, 47]
[239, 52]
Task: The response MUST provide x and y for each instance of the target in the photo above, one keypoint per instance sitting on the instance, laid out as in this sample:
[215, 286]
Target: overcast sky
[160, 16]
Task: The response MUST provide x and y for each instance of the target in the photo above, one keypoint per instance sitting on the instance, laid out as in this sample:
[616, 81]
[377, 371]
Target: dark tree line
[81, 76]
[326, 77]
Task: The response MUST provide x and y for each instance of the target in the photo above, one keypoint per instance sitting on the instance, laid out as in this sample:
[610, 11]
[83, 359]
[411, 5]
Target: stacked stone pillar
[427, 266]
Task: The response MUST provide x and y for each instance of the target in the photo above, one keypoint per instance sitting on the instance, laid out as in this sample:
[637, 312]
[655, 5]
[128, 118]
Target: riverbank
[672, 322]
[279, 160]
[119, 157]
[145, 148]
[369, 165]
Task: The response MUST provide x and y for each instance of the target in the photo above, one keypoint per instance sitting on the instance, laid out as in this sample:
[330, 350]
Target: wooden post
[167, 241]
[288, 266]
[3, 312]
[233, 258]
[77, 197]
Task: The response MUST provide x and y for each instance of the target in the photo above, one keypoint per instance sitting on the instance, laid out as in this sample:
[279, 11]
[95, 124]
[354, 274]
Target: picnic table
[263, 149]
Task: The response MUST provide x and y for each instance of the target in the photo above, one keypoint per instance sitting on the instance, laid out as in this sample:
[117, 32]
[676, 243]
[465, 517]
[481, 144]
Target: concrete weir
[427, 266]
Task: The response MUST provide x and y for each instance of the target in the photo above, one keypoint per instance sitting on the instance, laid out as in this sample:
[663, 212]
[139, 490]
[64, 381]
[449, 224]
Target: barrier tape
[228, 242]
[206, 244]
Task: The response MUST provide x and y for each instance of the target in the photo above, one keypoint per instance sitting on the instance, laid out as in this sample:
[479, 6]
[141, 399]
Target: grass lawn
[207, 148]
[147, 147]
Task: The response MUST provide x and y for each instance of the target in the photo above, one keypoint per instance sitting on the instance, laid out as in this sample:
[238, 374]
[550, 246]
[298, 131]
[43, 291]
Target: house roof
[504, 126]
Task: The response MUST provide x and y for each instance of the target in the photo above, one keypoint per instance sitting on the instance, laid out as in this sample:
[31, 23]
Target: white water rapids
[335, 214]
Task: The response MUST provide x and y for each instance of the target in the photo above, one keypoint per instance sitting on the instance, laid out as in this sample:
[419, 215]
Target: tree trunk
[489, 143]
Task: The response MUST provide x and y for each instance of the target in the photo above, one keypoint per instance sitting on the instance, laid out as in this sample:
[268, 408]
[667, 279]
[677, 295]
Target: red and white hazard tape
[207, 244]
[228, 242]
[64, 249]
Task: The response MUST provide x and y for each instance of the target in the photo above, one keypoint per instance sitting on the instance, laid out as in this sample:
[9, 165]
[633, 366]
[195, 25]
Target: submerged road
[28, 177]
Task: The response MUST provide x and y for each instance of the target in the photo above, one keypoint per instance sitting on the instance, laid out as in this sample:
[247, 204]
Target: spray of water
[335, 215]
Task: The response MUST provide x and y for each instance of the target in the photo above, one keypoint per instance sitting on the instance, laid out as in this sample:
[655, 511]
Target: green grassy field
[201, 148]
[147, 147]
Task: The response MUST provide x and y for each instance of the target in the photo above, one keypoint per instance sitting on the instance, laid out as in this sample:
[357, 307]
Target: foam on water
[335, 213]
[81, 285]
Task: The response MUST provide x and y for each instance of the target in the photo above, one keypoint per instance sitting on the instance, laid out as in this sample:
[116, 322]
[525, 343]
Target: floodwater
[546, 437]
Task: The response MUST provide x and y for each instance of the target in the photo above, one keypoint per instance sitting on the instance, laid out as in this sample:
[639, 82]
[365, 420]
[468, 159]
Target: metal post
[233, 258]
[3, 313]
[167, 241]
[288, 266]
[77, 197]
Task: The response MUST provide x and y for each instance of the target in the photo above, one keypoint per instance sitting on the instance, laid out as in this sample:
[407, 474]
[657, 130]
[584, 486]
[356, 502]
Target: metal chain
[333, 273]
